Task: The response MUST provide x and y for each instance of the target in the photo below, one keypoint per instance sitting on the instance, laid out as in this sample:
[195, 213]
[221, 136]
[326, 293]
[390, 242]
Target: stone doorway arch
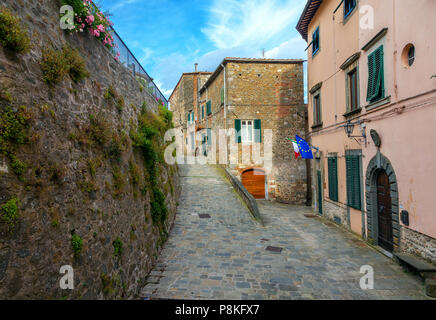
[378, 164]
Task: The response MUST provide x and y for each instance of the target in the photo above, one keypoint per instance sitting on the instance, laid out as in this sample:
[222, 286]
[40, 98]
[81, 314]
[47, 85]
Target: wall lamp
[349, 128]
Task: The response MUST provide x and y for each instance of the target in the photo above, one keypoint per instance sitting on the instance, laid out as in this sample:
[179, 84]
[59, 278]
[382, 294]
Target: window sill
[317, 126]
[378, 103]
[352, 112]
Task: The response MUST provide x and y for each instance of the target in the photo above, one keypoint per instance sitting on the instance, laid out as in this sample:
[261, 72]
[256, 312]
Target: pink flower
[96, 33]
[90, 19]
[100, 28]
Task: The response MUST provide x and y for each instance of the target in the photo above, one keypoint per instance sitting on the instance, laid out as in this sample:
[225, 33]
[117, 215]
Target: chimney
[196, 67]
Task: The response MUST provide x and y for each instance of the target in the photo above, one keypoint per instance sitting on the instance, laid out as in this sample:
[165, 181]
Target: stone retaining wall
[94, 196]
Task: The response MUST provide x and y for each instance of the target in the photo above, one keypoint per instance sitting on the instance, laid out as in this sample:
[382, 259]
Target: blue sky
[169, 36]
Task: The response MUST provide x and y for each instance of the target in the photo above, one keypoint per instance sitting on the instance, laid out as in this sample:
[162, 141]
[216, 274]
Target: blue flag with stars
[305, 149]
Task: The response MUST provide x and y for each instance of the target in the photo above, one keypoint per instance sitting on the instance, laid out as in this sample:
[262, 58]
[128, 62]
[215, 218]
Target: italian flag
[296, 149]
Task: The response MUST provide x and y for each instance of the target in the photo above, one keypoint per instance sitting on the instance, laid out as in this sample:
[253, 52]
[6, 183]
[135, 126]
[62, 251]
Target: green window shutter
[202, 112]
[349, 180]
[209, 108]
[222, 95]
[238, 131]
[356, 187]
[257, 130]
[375, 75]
[353, 182]
[333, 178]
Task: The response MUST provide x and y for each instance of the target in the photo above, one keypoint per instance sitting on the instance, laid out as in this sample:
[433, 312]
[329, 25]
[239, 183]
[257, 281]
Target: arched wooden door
[254, 181]
[384, 210]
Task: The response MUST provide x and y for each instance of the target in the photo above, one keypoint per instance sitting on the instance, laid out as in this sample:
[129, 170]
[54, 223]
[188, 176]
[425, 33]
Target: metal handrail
[129, 60]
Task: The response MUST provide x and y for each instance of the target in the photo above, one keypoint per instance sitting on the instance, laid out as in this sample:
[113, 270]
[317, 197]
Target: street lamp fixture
[349, 128]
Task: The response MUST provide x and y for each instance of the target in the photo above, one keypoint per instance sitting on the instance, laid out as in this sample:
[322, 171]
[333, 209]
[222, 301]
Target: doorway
[384, 210]
[254, 181]
[319, 193]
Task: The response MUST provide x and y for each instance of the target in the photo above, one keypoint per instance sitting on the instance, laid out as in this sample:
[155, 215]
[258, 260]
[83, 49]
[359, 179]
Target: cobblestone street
[225, 257]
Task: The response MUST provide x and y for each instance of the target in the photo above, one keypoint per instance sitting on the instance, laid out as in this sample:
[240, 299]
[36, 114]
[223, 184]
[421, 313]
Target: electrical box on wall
[405, 217]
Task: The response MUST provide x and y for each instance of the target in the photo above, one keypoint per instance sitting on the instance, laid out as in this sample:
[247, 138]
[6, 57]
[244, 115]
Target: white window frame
[247, 122]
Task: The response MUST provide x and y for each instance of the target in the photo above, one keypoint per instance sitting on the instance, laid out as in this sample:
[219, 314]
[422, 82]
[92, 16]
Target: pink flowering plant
[89, 18]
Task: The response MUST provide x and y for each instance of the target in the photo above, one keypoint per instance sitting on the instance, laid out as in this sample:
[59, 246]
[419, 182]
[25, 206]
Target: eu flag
[305, 149]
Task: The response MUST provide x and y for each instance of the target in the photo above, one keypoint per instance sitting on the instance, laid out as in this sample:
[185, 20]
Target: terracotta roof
[309, 12]
[187, 74]
[246, 60]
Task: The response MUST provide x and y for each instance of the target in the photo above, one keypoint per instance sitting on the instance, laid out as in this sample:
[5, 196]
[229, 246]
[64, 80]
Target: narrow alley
[223, 255]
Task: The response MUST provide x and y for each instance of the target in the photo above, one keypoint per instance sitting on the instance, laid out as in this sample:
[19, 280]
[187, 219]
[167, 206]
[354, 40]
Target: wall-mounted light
[349, 128]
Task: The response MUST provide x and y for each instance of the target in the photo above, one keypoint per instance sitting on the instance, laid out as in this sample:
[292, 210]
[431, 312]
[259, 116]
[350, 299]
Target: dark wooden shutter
[333, 178]
[257, 130]
[202, 112]
[238, 130]
[353, 181]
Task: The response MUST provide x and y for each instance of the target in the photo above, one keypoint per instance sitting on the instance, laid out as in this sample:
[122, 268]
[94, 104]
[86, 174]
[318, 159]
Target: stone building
[184, 105]
[262, 100]
[371, 83]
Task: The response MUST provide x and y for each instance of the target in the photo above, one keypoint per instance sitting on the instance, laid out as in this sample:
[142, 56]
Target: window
[209, 108]
[411, 55]
[349, 6]
[408, 55]
[317, 120]
[248, 131]
[202, 111]
[190, 117]
[353, 181]
[315, 42]
[353, 90]
[333, 178]
[376, 89]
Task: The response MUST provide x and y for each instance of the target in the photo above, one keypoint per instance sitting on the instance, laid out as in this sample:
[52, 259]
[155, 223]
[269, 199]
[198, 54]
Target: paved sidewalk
[224, 257]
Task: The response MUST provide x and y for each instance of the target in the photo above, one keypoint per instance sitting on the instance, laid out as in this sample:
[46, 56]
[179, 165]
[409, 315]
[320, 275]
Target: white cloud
[235, 23]
[291, 49]
[238, 28]
[146, 54]
[122, 3]
[165, 92]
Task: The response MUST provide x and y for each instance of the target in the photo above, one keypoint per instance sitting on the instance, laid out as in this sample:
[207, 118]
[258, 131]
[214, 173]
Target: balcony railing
[131, 63]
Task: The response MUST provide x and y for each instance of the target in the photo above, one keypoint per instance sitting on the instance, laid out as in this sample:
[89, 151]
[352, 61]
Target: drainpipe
[225, 112]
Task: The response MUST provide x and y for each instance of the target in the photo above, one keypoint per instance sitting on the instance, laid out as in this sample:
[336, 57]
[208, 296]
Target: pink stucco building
[372, 70]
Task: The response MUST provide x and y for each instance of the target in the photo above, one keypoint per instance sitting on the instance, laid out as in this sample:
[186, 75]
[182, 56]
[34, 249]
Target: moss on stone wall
[13, 35]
